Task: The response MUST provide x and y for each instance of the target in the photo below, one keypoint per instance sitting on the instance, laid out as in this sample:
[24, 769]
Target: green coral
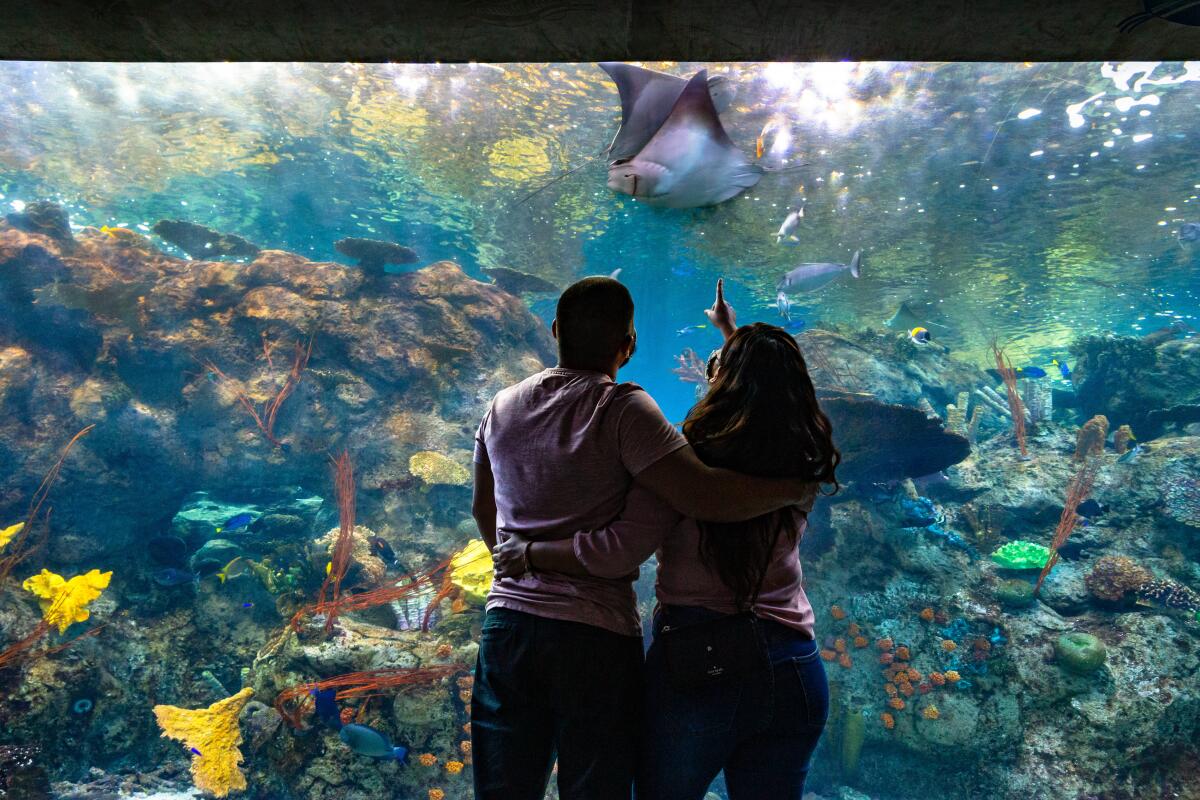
[1022, 555]
[1081, 653]
[1015, 593]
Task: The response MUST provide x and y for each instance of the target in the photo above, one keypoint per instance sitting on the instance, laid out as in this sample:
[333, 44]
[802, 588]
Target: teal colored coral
[1081, 653]
[1022, 555]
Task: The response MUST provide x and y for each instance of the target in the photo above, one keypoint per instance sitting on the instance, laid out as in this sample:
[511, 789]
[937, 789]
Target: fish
[1090, 508]
[778, 125]
[811, 277]
[1132, 454]
[120, 234]
[7, 534]
[194, 751]
[1063, 369]
[789, 224]
[690, 329]
[920, 335]
[690, 161]
[615, 274]
[514, 282]
[793, 325]
[327, 707]
[236, 522]
[226, 572]
[382, 550]
[647, 98]
[1188, 232]
[247, 604]
[170, 576]
[1030, 372]
[366, 741]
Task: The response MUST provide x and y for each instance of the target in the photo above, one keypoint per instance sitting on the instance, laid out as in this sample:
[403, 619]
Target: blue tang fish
[327, 707]
[367, 741]
[237, 522]
[1030, 372]
[174, 577]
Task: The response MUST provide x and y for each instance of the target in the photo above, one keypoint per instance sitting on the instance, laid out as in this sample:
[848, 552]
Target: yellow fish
[329, 568]
[7, 534]
[224, 574]
[120, 234]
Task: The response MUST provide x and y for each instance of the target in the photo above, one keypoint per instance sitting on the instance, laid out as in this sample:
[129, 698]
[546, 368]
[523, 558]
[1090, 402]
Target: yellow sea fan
[471, 570]
[213, 736]
[7, 534]
[64, 602]
[435, 468]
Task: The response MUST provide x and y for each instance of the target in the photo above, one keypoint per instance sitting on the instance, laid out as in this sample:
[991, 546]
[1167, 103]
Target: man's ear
[554, 329]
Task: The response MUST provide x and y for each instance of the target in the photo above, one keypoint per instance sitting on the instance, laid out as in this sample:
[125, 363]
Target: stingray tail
[556, 179]
[856, 264]
[1132, 21]
[789, 168]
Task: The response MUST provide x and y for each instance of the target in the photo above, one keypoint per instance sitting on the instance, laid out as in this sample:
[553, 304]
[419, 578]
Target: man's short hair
[594, 316]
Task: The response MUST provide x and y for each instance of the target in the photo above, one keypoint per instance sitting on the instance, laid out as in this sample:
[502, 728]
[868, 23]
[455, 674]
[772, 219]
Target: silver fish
[367, 741]
[811, 277]
[690, 161]
[789, 224]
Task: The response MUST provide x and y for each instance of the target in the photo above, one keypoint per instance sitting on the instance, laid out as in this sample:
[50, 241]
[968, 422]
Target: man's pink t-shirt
[564, 447]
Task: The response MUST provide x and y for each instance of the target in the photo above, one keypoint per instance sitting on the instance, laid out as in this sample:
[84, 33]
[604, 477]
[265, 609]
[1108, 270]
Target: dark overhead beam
[584, 30]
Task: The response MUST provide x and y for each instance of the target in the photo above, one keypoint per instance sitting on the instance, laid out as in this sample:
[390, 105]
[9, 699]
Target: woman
[734, 681]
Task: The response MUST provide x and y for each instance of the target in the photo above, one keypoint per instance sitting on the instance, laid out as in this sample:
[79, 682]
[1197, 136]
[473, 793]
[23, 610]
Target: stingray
[647, 98]
[690, 161]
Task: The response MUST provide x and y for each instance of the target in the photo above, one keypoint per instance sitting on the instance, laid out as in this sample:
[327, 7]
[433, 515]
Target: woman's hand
[509, 557]
[722, 315]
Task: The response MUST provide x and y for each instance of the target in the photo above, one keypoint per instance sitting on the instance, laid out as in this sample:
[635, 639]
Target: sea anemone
[982, 643]
[906, 689]
[888, 720]
[952, 675]
[926, 615]
[444, 650]
[930, 712]
[949, 645]
[886, 658]
[465, 747]
[839, 645]
[454, 767]
[828, 655]
[427, 759]
[937, 678]
[902, 653]
[885, 643]
[925, 688]
[437, 794]
[896, 703]
[845, 661]
[837, 612]
[860, 642]
[890, 689]
[852, 629]
[913, 675]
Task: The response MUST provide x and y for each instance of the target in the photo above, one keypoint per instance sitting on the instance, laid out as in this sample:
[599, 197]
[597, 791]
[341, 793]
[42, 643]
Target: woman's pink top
[648, 525]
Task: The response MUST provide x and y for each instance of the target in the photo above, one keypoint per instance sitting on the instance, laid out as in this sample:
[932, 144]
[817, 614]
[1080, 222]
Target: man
[560, 657]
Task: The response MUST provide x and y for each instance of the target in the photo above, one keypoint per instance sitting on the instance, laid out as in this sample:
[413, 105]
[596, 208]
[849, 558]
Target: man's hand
[722, 315]
[509, 557]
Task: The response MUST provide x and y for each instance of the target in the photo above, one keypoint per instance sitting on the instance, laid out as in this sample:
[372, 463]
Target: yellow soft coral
[471, 570]
[213, 736]
[435, 468]
[7, 534]
[65, 601]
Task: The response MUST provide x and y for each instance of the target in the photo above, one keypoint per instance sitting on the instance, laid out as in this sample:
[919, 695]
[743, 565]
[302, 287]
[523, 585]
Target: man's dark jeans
[547, 688]
[761, 728]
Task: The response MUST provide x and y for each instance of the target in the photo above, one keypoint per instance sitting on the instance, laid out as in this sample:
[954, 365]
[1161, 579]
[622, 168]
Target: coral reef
[65, 602]
[1080, 653]
[436, 468]
[1022, 555]
[213, 735]
[1113, 577]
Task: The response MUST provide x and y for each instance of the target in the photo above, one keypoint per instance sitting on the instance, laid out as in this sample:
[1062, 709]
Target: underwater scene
[252, 314]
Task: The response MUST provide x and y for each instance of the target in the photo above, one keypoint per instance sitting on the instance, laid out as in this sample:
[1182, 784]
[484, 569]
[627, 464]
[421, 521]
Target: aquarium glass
[274, 301]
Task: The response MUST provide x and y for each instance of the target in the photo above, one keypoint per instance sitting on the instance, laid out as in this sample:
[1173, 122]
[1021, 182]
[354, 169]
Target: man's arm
[720, 495]
[483, 503]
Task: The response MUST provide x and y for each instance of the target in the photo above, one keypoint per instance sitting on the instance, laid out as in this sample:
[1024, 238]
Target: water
[1026, 204]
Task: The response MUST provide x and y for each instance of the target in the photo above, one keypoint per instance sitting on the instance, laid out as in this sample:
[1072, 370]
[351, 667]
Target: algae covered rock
[1015, 593]
[1080, 653]
[437, 469]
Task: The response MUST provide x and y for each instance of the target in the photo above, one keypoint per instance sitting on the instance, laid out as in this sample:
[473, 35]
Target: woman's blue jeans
[760, 729]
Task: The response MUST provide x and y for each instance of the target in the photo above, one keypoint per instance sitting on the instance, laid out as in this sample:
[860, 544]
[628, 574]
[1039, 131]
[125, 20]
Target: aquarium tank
[251, 316]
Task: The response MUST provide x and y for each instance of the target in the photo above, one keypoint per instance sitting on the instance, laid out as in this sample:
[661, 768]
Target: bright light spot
[1124, 104]
[1075, 110]
[1141, 166]
[410, 84]
[1170, 208]
[18, 205]
[1029, 113]
[780, 74]
[1093, 154]
[995, 188]
[1162, 222]
[1116, 131]
[1037, 153]
[1143, 113]
[1109, 143]
[1141, 137]
[1050, 177]
[127, 93]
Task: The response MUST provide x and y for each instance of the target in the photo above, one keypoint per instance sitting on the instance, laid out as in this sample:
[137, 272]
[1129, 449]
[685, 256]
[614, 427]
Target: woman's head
[760, 417]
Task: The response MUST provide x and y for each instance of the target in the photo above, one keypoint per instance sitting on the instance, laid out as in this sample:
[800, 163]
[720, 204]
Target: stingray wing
[647, 98]
[692, 145]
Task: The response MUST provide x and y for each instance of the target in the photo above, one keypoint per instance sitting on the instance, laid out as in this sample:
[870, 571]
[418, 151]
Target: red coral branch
[691, 369]
[414, 584]
[1077, 491]
[265, 420]
[294, 701]
[1009, 376]
[339, 561]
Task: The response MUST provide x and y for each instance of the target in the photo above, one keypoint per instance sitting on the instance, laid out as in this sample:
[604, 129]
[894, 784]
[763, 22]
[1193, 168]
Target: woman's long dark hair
[760, 417]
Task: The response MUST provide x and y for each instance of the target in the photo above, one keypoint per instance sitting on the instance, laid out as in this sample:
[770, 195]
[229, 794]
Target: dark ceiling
[585, 30]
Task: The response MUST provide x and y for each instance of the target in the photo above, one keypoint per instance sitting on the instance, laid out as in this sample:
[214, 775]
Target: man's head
[594, 325]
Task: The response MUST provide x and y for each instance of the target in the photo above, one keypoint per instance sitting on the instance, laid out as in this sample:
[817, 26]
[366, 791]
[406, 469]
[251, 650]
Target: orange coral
[465, 695]
[465, 746]
[427, 759]
[884, 644]
[444, 651]
[888, 720]
[886, 658]
[837, 612]
[465, 682]
[906, 689]
[454, 767]
[949, 645]
[952, 675]
[902, 653]
[346, 715]
[925, 688]
[852, 629]
[927, 615]
[913, 675]
[896, 703]
[890, 689]
[828, 655]
[467, 728]
[845, 661]
[982, 644]
[860, 642]
[437, 794]
[930, 712]
[839, 645]
[937, 678]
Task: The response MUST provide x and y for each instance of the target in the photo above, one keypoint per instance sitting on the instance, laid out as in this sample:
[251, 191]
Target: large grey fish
[367, 741]
[690, 162]
[1189, 232]
[647, 98]
[811, 277]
